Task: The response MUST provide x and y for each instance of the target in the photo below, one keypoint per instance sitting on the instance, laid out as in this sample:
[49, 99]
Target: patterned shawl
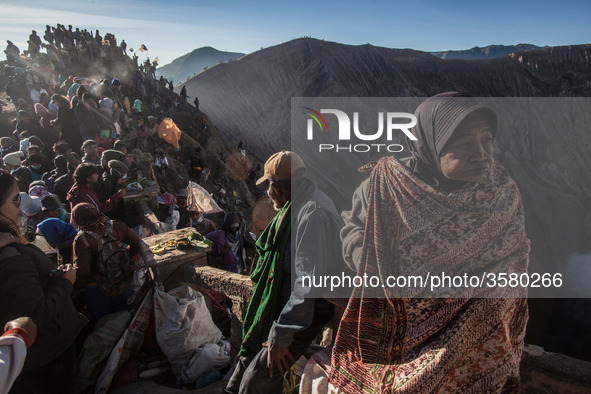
[434, 344]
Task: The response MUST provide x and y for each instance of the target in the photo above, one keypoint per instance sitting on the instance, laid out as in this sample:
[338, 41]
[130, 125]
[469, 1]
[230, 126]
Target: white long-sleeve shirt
[12, 357]
[35, 94]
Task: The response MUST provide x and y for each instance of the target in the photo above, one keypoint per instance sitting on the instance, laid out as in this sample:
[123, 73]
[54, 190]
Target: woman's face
[468, 154]
[11, 209]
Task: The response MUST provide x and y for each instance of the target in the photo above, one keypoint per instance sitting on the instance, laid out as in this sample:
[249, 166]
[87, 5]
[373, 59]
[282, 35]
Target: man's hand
[280, 357]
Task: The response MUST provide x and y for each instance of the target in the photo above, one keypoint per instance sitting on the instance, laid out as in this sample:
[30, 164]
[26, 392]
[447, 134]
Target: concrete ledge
[235, 286]
[545, 372]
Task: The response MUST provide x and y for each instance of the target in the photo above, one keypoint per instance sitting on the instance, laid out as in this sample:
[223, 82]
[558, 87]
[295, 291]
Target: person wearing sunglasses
[30, 285]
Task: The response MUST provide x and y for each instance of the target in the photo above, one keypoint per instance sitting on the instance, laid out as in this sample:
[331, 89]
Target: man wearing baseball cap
[281, 322]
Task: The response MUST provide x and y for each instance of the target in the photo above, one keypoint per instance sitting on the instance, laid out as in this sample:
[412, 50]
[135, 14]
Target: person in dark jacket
[31, 286]
[66, 121]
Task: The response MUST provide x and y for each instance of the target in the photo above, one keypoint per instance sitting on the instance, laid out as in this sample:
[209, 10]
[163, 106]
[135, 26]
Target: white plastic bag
[183, 323]
[209, 357]
[200, 200]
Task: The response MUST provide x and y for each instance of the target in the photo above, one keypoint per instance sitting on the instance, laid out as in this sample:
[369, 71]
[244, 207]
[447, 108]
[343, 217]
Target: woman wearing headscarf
[235, 239]
[86, 254]
[448, 208]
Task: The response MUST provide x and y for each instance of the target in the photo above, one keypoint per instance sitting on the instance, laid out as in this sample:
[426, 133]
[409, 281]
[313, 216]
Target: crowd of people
[67, 163]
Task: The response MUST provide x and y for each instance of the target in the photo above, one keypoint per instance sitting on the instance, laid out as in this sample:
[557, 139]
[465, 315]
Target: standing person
[280, 323]
[66, 121]
[447, 207]
[86, 177]
[31, 286]
[93, 224]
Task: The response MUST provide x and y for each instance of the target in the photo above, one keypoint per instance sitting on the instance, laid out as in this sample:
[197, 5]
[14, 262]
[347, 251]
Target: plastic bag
[205, 359]
[169, 132]
[183, 323]
[199, 200]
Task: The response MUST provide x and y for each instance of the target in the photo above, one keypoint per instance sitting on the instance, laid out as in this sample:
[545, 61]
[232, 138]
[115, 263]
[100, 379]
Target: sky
[172, 28]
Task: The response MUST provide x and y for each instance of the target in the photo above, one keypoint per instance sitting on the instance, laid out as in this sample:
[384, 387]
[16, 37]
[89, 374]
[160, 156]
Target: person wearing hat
[33, 215]
[52, 208]
[279, 316]
[12, 162]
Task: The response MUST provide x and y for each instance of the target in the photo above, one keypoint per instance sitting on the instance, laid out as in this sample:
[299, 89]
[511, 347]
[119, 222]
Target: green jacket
[27, 288]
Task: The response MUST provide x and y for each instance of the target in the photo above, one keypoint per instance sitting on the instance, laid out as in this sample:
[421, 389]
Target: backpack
[114, 268]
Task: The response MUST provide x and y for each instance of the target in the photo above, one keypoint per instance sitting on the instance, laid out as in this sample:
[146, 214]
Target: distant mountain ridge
[488, 52]
[192, 63]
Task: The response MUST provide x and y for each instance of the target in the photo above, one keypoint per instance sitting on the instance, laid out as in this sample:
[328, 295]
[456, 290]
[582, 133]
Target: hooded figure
[60, 235]
[235, 239]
